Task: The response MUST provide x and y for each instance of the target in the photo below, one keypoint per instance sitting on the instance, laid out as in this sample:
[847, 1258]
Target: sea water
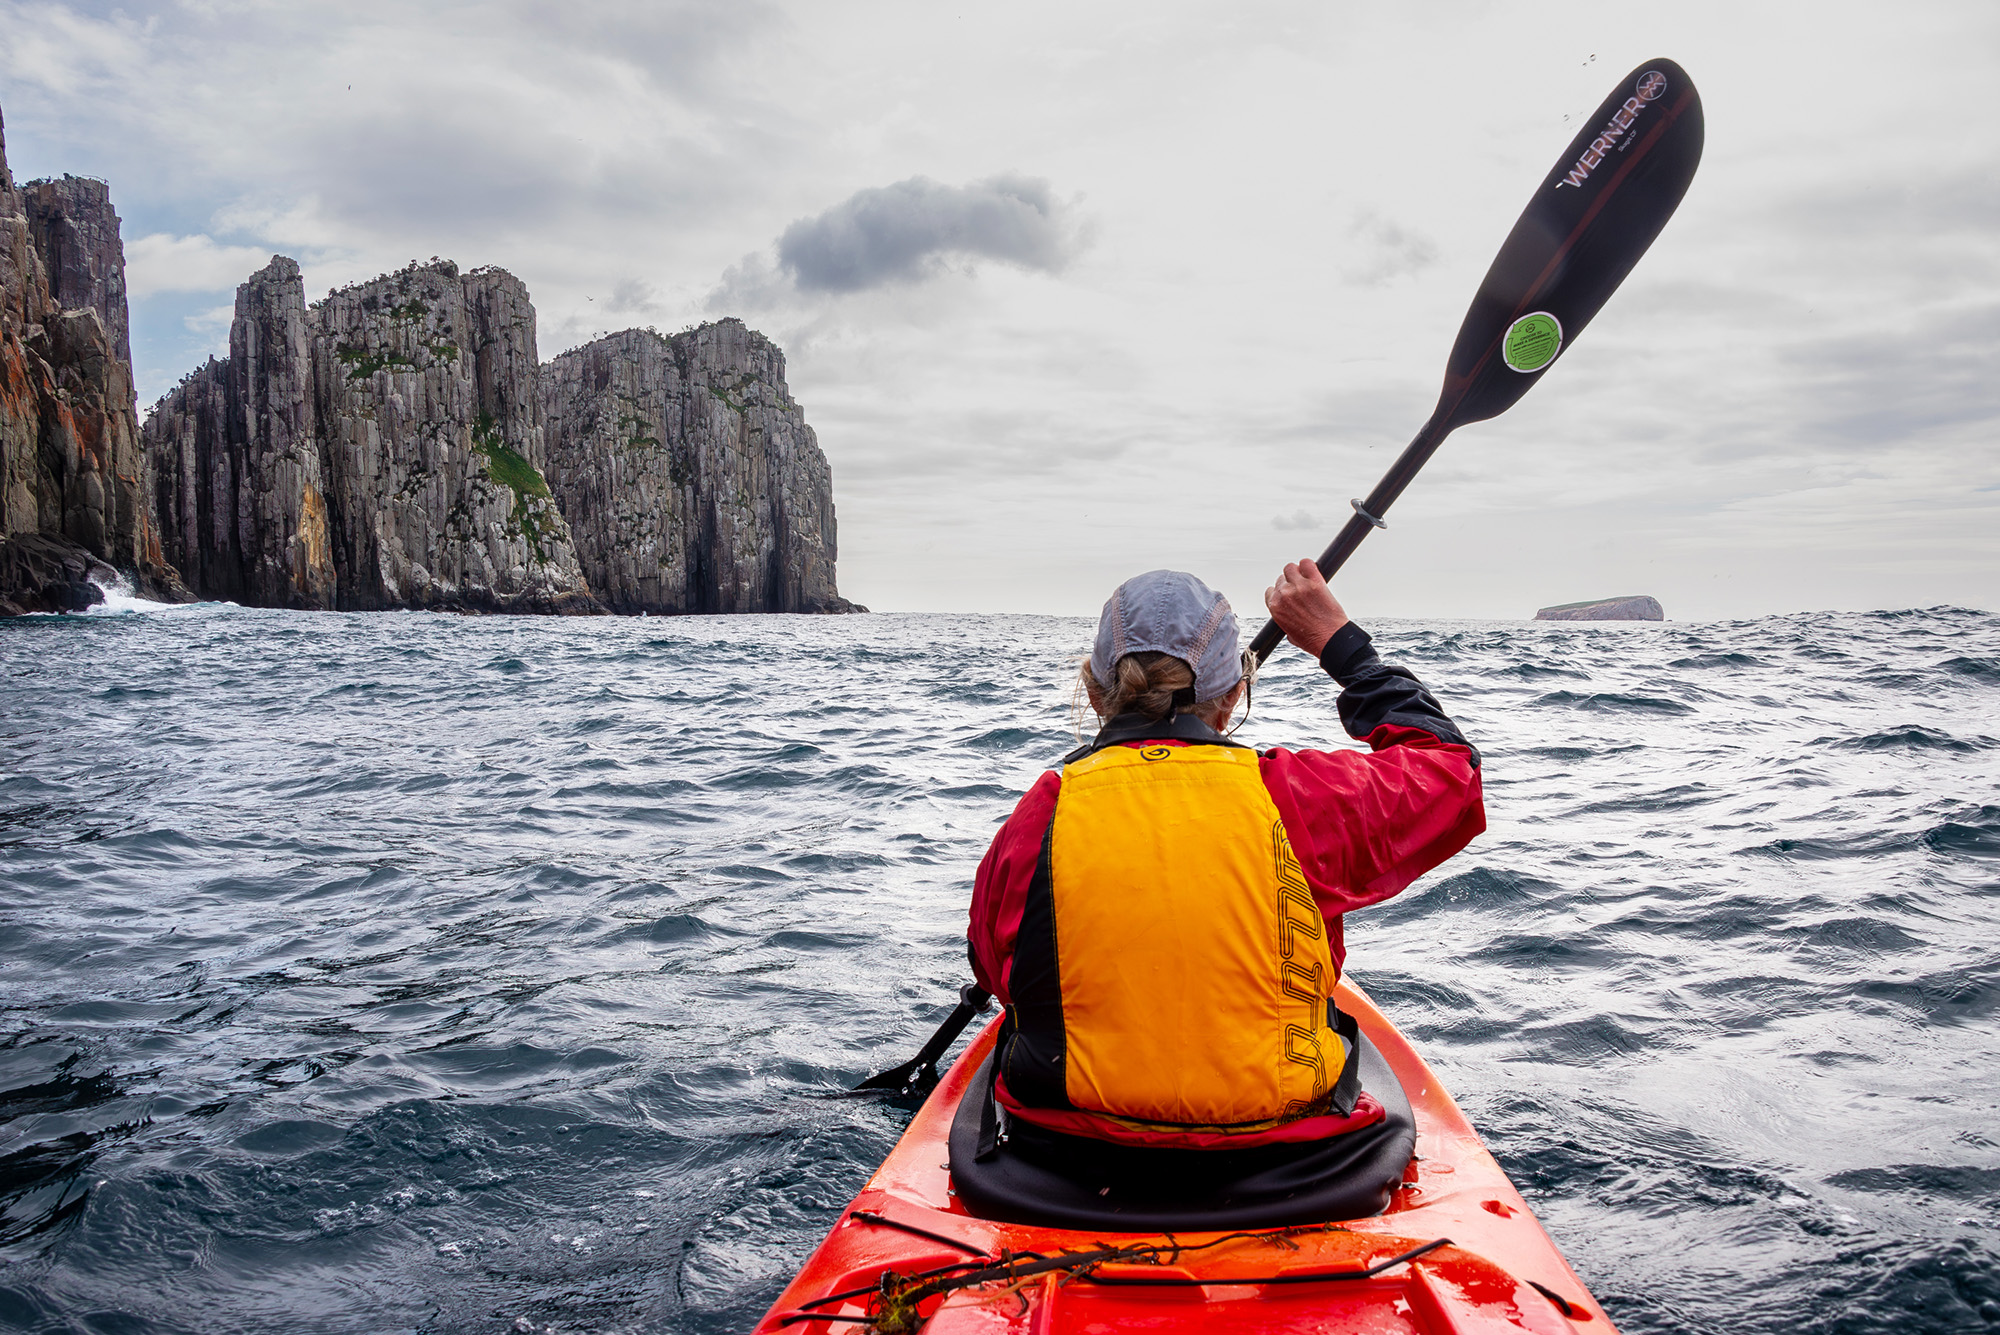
[409, 972]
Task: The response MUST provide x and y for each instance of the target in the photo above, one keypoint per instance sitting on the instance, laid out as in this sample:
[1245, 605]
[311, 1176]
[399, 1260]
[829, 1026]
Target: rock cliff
[77, 234]
[1639, 607]
[397, 445]
[71, 470]
[381, 449]
[42, 573]
[688, 474]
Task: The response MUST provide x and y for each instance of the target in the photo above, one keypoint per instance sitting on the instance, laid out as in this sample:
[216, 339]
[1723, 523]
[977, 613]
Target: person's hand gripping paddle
[1590, 220]
[1587, 225]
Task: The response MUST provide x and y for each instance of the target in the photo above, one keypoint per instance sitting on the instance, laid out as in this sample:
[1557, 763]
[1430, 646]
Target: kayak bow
[1457, 1249]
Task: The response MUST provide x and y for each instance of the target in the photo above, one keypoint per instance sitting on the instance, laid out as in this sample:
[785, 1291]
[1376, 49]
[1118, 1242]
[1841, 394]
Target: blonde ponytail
[1144, 684]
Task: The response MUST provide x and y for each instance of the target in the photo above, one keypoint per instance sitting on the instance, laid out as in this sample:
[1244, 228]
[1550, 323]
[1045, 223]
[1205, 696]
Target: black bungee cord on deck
[900, 1295]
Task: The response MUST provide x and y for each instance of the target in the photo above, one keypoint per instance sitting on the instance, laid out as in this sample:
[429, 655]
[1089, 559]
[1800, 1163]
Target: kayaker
[1161, 915]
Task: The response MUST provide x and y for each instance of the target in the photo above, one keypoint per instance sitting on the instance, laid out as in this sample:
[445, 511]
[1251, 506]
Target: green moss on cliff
[362, 363]
[533, 502]
[639, 439]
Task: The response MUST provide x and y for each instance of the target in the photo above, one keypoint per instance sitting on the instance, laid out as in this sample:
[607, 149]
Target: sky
[1073, 291]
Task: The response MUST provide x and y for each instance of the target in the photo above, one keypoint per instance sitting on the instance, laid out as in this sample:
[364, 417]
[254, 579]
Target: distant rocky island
[395, 445]
[1638, 607]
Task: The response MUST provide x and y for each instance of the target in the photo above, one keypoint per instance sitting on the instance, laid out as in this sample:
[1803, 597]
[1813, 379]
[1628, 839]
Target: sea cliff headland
[72, 471]
[396, 445]
[1637, 607]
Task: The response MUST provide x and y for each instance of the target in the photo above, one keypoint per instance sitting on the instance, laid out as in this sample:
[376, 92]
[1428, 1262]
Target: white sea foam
[120, 598]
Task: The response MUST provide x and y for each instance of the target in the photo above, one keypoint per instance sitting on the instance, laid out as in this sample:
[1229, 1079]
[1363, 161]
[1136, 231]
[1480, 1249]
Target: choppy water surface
[403, 972]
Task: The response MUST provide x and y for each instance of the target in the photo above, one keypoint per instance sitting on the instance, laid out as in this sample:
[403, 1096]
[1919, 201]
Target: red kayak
[1456, 1249]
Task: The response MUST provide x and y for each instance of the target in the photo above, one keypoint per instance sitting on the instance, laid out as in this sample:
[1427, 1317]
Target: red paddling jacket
[1161, 916]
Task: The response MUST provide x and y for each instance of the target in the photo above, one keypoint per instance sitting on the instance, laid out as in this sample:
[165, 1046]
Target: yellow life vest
[1172, 968]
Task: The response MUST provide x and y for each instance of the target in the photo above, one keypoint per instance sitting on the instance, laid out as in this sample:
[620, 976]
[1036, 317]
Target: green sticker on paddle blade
[1532, 341]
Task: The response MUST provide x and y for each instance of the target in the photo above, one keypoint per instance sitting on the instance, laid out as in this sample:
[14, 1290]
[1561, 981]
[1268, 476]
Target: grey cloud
[1386, 250]
[903, 232]
[753, 284]
[615, 112]
[883, 452]
[1298, 519]
[685, 45]
[634, 296]
[1366, 407]
[1871, 388]
[497, 170]
[555, 142]
[1868, 212]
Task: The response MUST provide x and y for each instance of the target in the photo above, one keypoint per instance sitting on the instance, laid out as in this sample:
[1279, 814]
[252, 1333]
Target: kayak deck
[1499, 1271]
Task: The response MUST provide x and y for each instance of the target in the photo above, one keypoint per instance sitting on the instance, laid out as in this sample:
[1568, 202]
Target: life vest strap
[991, 1132]
[1348, 1088]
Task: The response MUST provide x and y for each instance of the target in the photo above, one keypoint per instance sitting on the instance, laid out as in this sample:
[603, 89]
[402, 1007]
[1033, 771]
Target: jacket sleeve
[1000, 890]
[1364, 824]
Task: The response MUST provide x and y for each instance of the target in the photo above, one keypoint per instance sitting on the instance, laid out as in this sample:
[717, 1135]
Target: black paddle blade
[1590, 220]
[919, 1075]
[911, 1077]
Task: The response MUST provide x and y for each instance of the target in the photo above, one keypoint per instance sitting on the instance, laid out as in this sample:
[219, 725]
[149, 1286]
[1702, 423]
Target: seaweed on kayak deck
[901, 1296]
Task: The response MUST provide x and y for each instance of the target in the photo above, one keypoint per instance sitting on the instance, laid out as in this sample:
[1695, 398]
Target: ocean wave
[1983, 670]
[1613, 701]
[501, 965]
[1911, 737]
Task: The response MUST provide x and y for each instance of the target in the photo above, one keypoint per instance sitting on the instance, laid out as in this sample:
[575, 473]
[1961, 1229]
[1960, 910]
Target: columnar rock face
[70, 463]
[382, 449]
[426, 393]
[1636, 608]
[393, 446]
[76, 231]
[239, 487]
[688, 474]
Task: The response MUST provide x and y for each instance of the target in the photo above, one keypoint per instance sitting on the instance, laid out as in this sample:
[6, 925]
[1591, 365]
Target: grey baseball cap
[1174, 613]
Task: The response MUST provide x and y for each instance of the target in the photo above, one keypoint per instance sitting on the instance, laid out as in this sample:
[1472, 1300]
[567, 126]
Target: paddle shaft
[1400, 475]
[919, 1074]
[1587, 224]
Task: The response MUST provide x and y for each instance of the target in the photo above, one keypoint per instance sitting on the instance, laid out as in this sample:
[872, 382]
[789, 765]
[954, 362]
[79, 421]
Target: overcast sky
[1071, 291]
